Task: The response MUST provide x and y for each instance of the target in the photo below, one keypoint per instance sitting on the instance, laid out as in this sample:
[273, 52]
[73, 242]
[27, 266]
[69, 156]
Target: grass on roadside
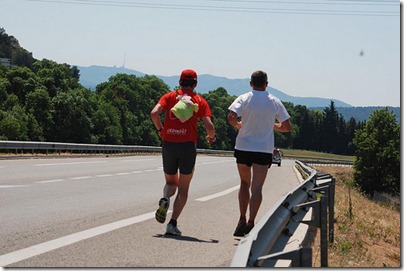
[314, 154]
[366, 233]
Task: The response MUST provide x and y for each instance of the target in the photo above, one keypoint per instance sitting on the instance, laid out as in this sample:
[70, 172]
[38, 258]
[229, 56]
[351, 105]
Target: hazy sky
[337, 49]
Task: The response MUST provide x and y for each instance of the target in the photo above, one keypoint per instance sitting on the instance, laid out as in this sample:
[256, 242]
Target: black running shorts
[180, 156]
[248, 158]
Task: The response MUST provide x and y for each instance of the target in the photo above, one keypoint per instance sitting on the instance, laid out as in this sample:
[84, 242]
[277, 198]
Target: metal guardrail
[32, 146]
[57, 147]
[320, 160]
[265, 244]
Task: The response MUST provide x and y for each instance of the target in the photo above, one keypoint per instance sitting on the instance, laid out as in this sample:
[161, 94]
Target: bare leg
[244, 192]
[182, 196]
[258, 179]
[171, 185]
[168, 191]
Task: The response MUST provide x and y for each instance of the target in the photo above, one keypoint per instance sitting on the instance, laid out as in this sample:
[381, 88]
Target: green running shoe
[161, 212]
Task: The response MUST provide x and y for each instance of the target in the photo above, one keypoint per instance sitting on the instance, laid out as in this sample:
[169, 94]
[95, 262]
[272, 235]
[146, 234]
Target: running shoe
[248, 227]
[161, 212]
[239, 232]
[172, 230]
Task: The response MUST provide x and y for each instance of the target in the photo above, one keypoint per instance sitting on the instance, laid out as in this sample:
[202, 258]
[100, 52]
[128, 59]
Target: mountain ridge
[93, 75]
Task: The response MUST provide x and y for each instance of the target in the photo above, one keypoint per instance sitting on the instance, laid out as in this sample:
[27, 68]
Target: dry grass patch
[366, 233]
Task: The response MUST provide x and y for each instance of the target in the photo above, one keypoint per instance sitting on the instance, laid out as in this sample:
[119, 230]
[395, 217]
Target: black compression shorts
[180, 156]
[248, 158]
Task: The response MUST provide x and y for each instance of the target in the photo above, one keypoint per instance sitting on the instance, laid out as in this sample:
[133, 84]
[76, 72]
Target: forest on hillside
[46, 103]
[42, 100]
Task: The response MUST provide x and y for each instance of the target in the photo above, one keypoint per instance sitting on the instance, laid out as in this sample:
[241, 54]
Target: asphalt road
[99, 212]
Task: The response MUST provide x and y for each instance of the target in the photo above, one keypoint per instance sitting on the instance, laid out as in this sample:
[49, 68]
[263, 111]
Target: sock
[173, 222]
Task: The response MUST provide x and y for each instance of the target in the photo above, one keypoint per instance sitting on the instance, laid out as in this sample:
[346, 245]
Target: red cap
[187, 75]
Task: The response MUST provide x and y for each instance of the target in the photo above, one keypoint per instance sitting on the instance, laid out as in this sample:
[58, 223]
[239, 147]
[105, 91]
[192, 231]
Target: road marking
[137, 160]
[215, 162]
[151, 170]
[103, 175]
[36, 250]
[123, 173]
[73, 163]
[80, 178]
[225, 192]
[52, 181]
[14, 186]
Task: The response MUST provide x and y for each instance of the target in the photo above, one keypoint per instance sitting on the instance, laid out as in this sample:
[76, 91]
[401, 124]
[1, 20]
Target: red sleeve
[204, 109]
[164, 100]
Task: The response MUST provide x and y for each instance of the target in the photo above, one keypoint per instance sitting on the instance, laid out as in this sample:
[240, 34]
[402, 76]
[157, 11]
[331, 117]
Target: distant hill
[91, 76]
[362, 113]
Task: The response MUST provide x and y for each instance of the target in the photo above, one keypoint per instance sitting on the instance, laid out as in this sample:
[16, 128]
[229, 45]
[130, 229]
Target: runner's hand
[210, 139]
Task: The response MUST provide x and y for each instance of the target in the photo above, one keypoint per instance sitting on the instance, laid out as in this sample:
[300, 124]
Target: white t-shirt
[258, 111]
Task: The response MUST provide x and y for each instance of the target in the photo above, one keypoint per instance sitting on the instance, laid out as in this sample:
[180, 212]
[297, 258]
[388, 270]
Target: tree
[21, 81]
[13, 122]
[285, 140]
[330, 131]
[56, 77]
[133, 99]
[377, 164]
[10, 128]
[38, 106]
[107, 128]
[352, 126]
[219, 101]
[71, 116]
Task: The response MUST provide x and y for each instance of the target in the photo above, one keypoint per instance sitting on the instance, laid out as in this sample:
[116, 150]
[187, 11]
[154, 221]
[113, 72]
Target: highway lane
[99, 212]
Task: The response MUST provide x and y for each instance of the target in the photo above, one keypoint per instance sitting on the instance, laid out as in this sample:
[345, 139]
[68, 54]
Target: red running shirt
[176, 131]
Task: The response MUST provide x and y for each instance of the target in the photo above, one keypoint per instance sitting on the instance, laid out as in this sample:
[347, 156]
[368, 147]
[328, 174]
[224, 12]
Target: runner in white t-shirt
[259, 111]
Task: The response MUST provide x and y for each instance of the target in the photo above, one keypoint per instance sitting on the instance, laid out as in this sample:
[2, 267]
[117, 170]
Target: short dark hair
[188, 83]
[259, 79]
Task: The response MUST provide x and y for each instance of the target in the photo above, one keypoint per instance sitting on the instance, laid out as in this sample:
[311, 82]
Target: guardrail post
[331, 209]
[323, 231]
[319, 221]
[329, 191]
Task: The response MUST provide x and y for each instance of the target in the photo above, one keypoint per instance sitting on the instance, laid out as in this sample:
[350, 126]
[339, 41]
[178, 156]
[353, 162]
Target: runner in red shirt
[179, 140]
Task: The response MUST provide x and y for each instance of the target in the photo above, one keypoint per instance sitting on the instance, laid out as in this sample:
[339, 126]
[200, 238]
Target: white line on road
[13, 186]
[103, 175]
[137, 160]
[74, 163]
[122, 174]
[36, 250]
[216, 162]
[225, 192]
[52, 181]
[151, 170]
[80, 178]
